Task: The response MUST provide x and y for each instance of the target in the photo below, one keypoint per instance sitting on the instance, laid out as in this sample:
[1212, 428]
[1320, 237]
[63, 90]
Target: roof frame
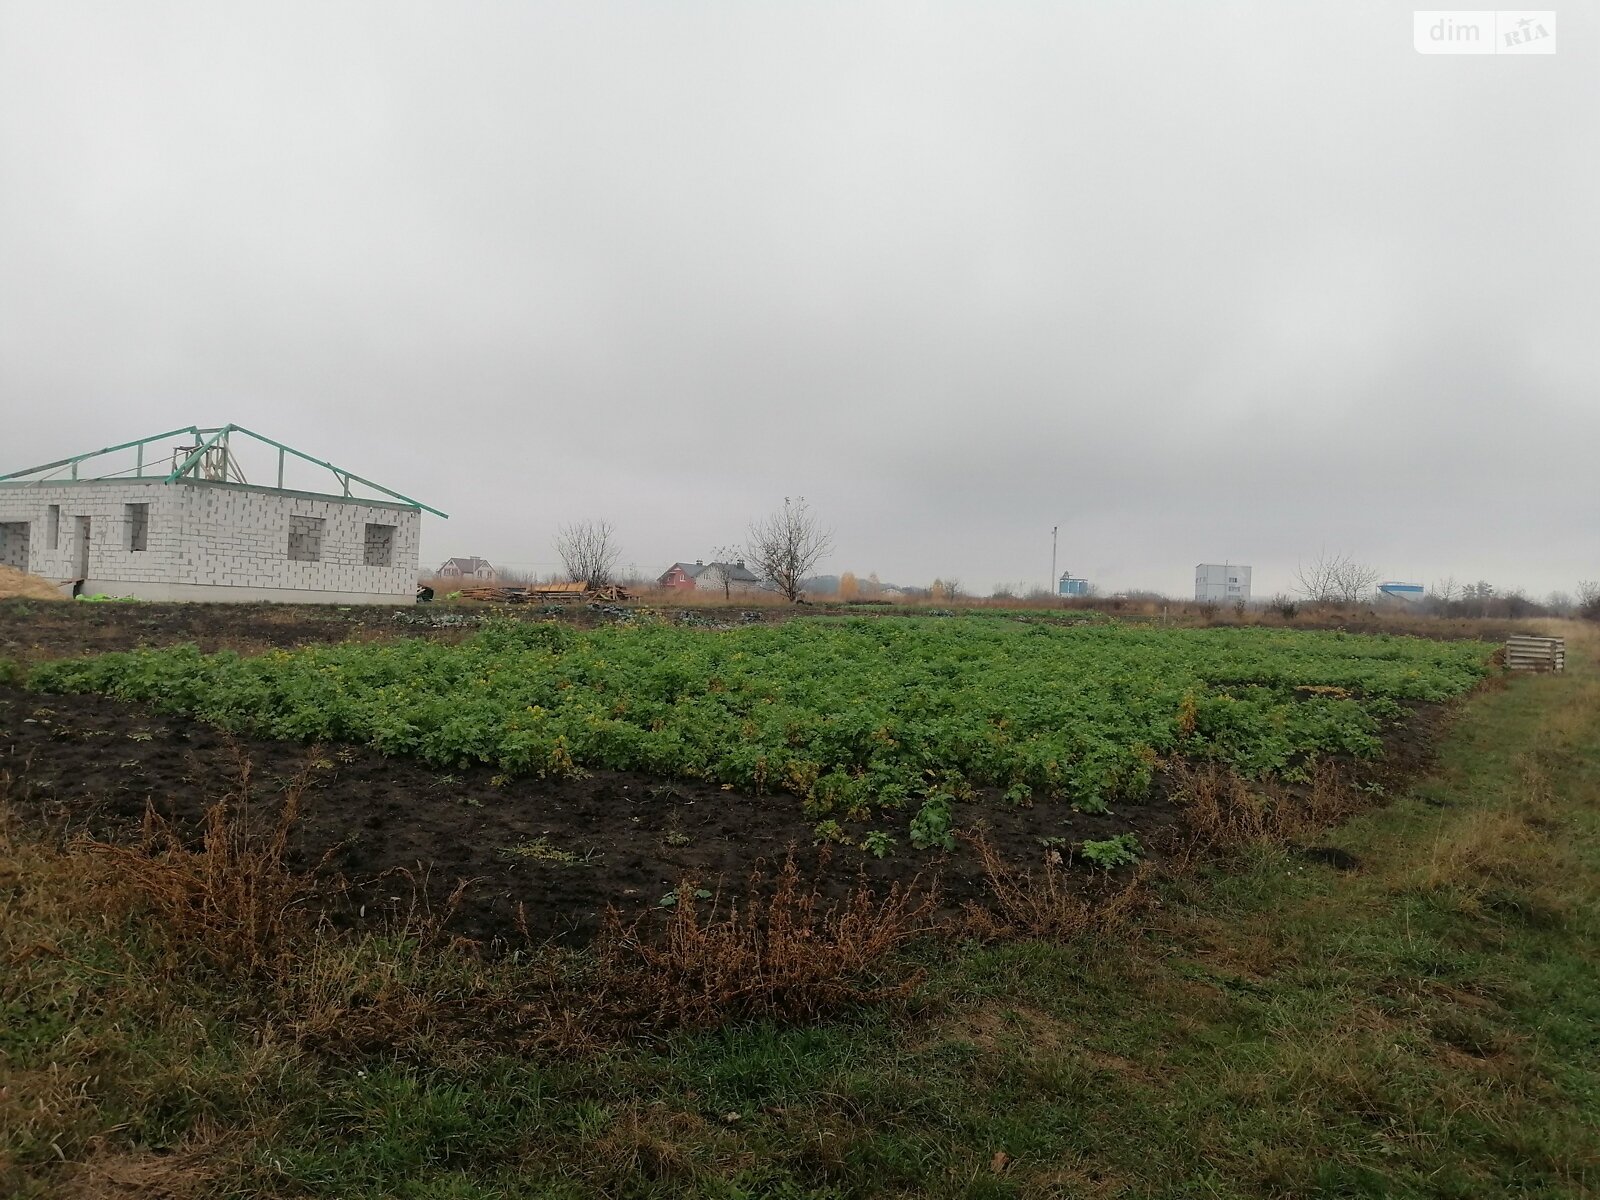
[208, 440]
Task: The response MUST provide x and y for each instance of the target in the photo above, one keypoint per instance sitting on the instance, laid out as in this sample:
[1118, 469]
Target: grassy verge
[1413, 1009]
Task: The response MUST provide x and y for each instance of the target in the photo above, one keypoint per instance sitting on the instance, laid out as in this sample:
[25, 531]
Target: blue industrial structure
[1068, 585]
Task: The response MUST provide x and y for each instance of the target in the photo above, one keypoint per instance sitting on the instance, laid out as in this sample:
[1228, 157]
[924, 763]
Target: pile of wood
[536, 593]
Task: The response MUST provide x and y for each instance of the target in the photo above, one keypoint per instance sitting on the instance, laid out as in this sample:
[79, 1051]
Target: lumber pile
[537, 593]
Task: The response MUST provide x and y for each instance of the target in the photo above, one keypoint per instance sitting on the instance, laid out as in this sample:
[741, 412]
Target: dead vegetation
[229, 900]
[1047, 901]
[1223, 811]
[783, 952]
[227, 906]
[232, 899]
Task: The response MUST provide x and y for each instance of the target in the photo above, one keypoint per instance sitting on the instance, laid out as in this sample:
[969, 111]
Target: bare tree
[589, 551]
[1589, 599]
[785, 547]
[1355, 580]
[1319, 580]
[1331, 577]
[720, 572]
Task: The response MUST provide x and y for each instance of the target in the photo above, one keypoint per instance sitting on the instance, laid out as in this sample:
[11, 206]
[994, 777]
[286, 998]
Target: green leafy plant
[1018, 793]
[878, 843]
[670, 900]
[829, 831]
[1109, 853]
[933, 828]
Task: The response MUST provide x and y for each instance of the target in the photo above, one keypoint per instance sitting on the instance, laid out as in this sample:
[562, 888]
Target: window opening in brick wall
[305, 539]
[379, 551]
[14, 544]
[52, 526]
[80, 548]
[138, 518]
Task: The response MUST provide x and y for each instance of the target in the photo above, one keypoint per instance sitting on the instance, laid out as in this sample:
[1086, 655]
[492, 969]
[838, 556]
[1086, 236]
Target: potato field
[850, 716]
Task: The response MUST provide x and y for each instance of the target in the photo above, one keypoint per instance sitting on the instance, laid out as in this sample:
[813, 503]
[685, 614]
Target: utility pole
[1054, 529]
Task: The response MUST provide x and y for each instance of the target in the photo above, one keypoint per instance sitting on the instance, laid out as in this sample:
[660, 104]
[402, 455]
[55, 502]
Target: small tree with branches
[589, 551]
[1354, 580]
[1589, 599]
[1334, 577]
[785, 547]
[720, 572]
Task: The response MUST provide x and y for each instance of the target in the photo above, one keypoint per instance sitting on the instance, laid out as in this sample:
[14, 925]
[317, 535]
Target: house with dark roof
[728, 578]
[468, 568]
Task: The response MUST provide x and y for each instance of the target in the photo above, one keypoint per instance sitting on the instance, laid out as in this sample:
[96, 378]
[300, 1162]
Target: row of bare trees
[1340, 578]
[784, 548]
[782, 551]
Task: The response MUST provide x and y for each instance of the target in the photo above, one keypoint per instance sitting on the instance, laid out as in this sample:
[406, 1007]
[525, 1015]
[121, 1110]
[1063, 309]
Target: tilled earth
[546, 854]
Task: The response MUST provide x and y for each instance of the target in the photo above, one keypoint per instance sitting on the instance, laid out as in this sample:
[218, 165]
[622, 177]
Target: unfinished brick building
[182, 523]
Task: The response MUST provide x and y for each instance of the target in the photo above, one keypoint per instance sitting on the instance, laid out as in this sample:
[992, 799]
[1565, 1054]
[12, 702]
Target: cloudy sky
[1191, 281]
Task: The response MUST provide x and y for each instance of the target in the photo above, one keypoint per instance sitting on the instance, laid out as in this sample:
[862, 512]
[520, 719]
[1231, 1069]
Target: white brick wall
[209, 535]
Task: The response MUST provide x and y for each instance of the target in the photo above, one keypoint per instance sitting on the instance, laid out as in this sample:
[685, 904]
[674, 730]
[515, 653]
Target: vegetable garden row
[850, 715]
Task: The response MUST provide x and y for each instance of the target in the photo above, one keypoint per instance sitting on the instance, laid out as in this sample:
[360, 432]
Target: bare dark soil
[94, 763]
[34, 630]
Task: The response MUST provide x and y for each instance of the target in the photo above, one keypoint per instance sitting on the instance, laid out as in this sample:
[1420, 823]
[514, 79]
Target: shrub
[1048, 901]
[784, 953]
[233, 900]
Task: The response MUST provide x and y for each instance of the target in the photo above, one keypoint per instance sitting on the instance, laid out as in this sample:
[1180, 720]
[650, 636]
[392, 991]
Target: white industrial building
[1409, 593]
[182, 523]
[1218, 582]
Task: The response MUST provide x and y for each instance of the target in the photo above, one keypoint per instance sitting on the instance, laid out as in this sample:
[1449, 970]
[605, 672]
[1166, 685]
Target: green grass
[1424, 1025]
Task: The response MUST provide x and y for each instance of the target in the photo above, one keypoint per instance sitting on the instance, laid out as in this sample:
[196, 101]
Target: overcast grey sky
[1190, 280]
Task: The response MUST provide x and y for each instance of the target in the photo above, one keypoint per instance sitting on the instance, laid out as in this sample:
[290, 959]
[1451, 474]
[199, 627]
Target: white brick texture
[201, 536]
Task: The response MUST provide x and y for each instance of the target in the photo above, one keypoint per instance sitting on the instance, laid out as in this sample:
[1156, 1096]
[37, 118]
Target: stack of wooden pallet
[1525, 652]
